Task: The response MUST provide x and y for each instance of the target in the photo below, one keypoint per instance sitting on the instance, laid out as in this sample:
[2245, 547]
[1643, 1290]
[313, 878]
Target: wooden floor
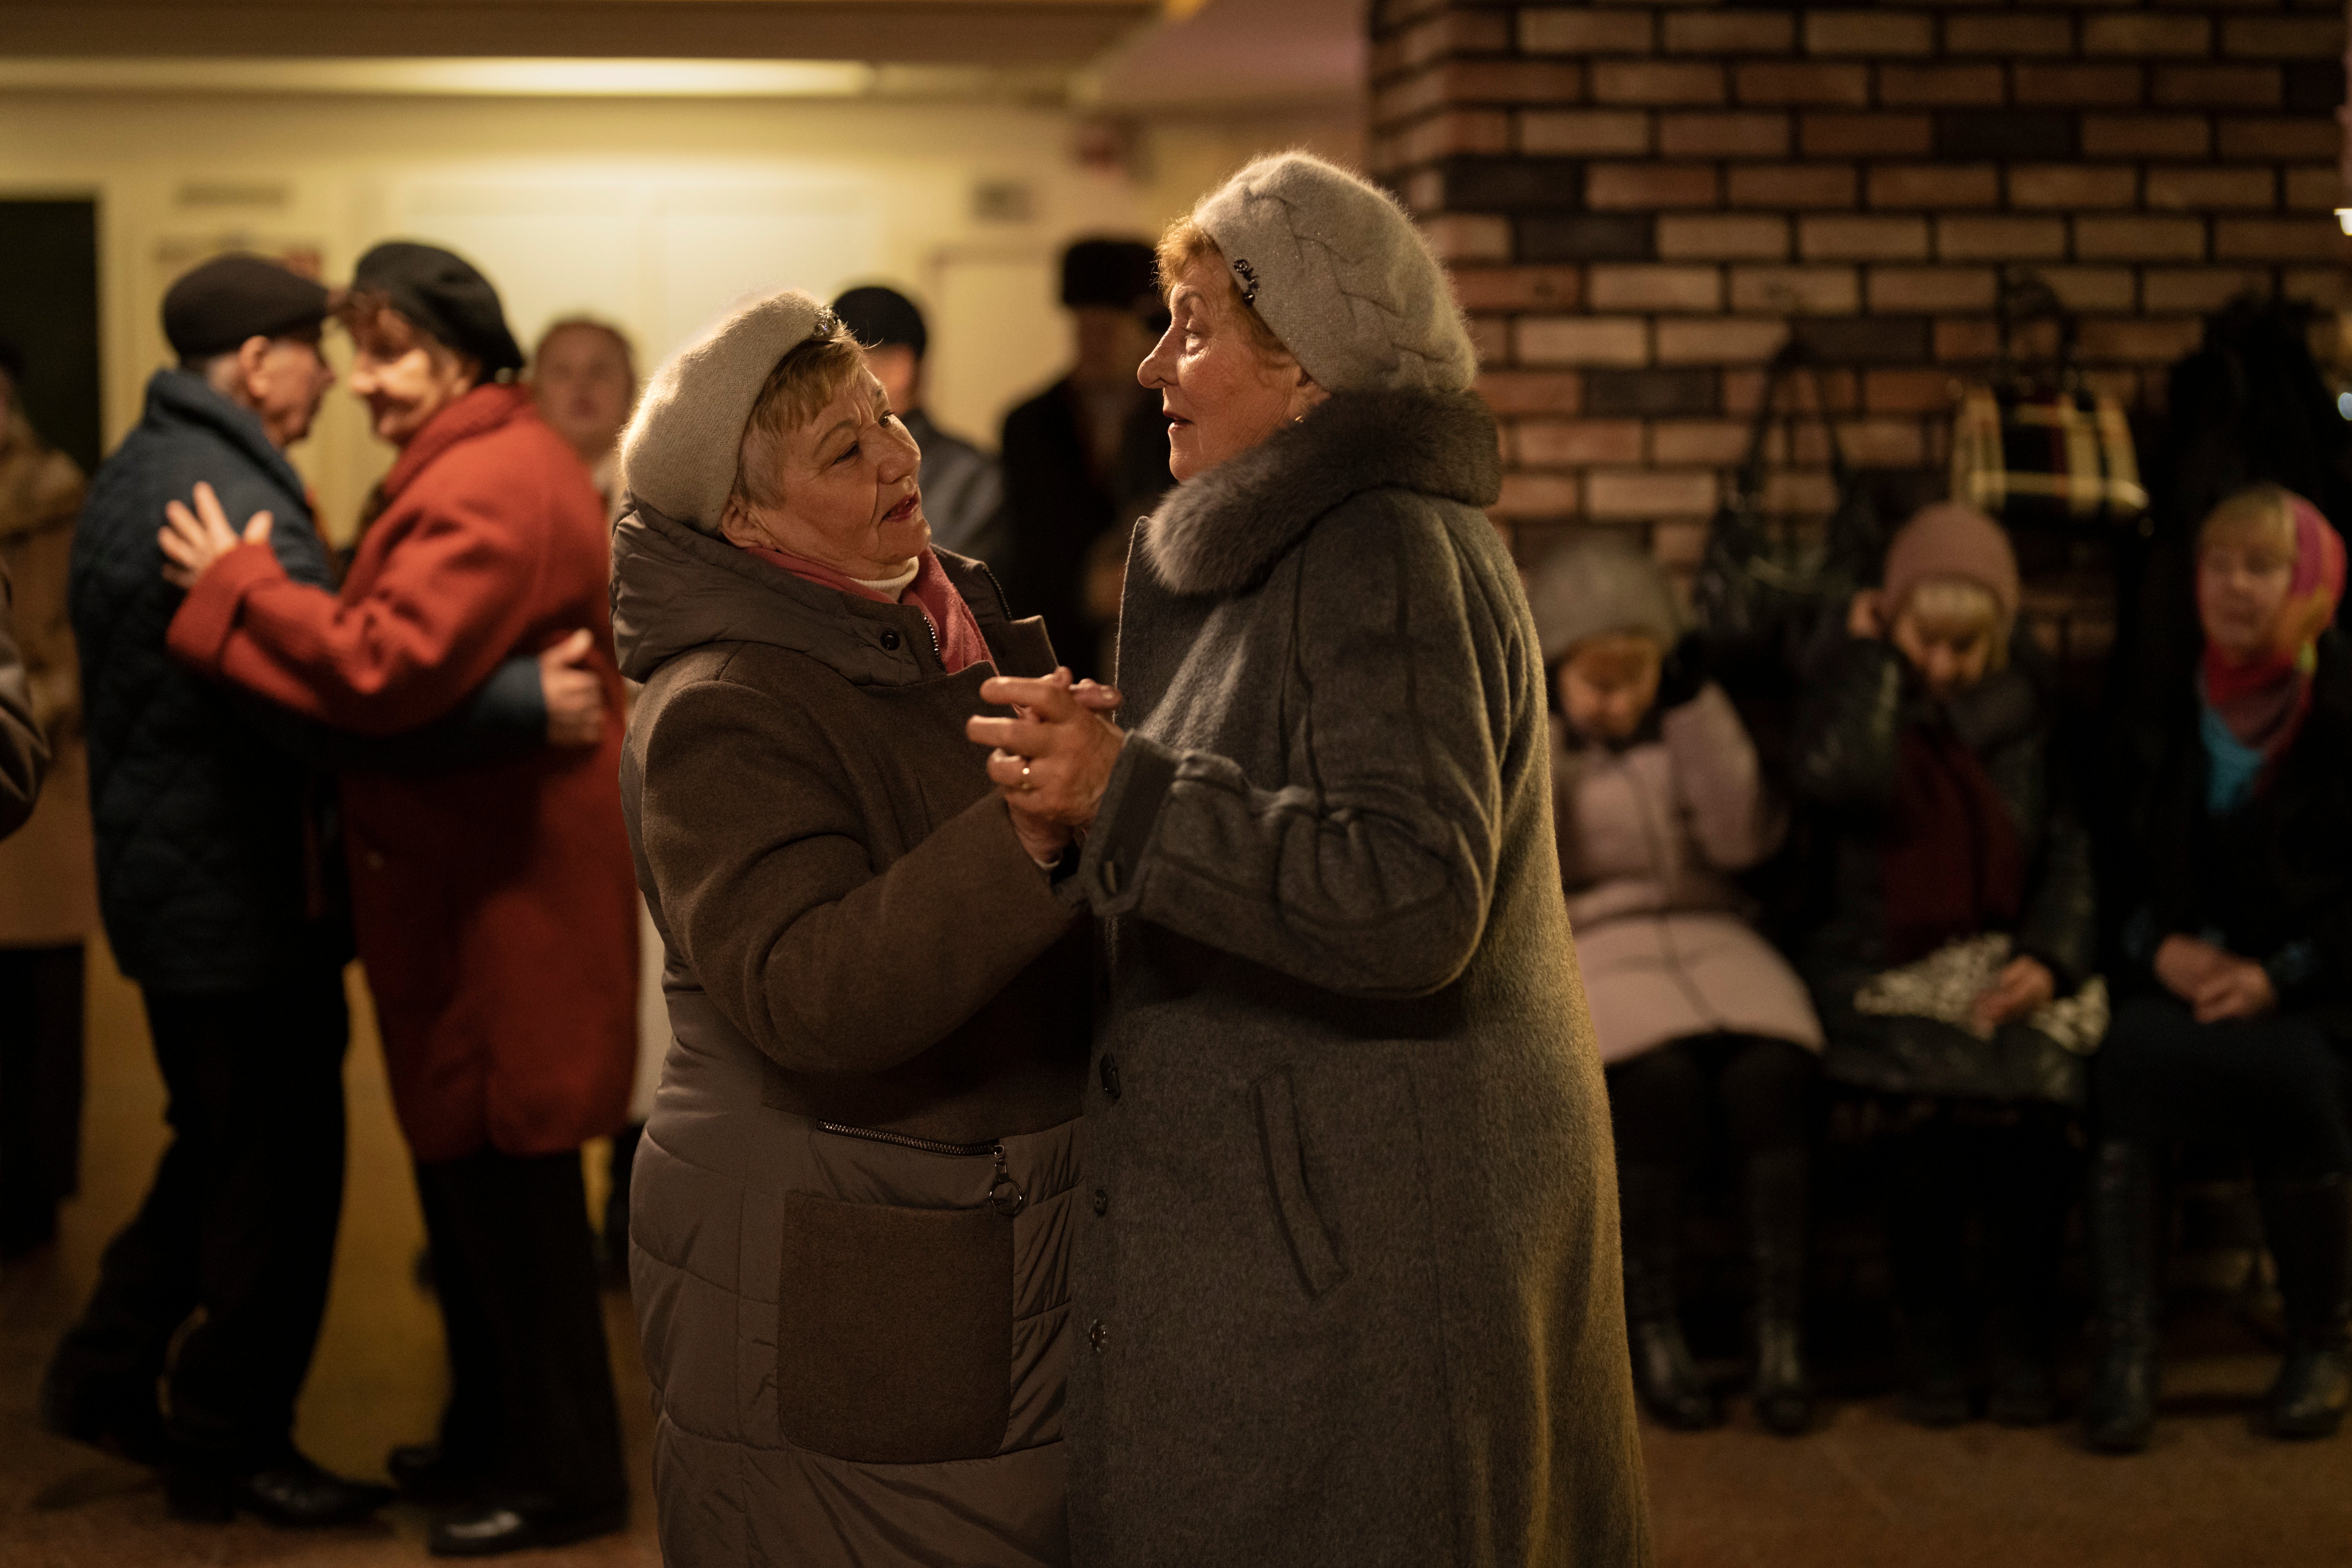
[1866, 1490]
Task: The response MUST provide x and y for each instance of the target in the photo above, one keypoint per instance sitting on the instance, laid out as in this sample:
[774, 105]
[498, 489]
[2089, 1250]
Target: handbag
[1759, 598]
[2039, 451]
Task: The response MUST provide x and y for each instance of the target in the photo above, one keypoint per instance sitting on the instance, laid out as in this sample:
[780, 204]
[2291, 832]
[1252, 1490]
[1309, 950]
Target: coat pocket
[1313, 1249]
[894, 1333]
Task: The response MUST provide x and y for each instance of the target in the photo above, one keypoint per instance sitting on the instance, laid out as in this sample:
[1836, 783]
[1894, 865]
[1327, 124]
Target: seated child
[1706, 1033]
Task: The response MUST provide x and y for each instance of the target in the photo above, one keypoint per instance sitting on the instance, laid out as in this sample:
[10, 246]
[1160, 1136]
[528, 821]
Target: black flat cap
[440, 292]
[880, 316]
[1120, 273]
[218, 304]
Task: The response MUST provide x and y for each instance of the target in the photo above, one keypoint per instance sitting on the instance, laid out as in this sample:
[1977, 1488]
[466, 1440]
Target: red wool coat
[494, 906]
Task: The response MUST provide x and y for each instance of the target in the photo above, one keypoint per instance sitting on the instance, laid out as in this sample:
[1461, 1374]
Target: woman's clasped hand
[1053, 759]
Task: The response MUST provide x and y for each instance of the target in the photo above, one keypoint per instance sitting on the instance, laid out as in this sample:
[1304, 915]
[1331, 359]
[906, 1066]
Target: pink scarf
[960, 642]
[2264, 701]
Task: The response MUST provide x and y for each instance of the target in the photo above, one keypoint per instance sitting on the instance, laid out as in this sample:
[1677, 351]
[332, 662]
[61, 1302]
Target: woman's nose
[899, 455]
[1154, 372]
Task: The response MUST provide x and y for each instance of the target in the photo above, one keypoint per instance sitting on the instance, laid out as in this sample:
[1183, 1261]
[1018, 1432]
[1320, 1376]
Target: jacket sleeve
[505, 717]
[1371, 873]
[1849, 727]
[1721, 786]
[2060, 926]
[760, 863]
[23, 755]
[451, 601]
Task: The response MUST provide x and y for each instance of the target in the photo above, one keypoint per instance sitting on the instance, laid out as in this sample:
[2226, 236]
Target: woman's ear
[1306, 394]
[737, 528]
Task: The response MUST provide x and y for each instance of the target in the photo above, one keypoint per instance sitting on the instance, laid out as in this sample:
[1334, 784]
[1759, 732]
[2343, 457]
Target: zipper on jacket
[1005, 1195]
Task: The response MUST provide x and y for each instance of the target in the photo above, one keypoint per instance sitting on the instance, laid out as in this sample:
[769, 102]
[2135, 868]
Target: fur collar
[1221, 531]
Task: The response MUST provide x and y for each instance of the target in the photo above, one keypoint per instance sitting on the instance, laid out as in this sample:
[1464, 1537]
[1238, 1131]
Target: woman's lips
[904, 510]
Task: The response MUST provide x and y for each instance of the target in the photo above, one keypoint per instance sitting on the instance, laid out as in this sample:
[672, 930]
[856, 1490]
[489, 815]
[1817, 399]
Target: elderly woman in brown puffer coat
[852, 1202]
[1702, 1026]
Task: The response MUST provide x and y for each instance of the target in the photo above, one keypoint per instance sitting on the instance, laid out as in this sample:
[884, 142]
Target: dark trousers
[2275, 1088]
[240, 1221]
[530, 1410]
[1668, 1105]
[2011, 1166]
[40, 1091]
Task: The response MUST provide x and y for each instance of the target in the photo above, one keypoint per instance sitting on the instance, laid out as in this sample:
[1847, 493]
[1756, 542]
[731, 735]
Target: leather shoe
[128, 1423]
[291, 1491]
[490, 1532]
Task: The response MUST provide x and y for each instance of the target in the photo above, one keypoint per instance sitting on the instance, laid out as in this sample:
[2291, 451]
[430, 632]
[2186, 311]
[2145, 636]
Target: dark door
[48, 310]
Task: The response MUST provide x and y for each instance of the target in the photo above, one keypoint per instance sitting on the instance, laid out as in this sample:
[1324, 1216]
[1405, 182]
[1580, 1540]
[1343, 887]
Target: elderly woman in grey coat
[1703, 1026]
[1347, 1268]
[849, 1221]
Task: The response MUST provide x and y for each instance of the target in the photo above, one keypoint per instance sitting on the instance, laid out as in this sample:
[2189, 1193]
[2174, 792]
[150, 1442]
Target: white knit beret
[1341, 275]
[678, 453]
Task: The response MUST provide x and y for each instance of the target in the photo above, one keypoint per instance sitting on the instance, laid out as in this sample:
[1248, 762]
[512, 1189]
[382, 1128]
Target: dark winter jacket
[1856, 706]
[881, 1013]
[217, 860]
[2272, 880]
[1350, 1276]
[1057, 508]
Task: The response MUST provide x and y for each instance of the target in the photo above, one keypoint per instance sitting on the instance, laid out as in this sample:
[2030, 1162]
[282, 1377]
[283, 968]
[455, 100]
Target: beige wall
[654, 212]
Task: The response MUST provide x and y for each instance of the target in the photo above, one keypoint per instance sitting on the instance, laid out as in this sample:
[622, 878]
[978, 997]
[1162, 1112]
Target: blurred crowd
[1905, 897]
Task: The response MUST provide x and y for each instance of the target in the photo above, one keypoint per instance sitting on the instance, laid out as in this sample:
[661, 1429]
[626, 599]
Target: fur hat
[1119, 274]
[1341, 275]
[1951, 540]
[1597, 583]
[678, 453]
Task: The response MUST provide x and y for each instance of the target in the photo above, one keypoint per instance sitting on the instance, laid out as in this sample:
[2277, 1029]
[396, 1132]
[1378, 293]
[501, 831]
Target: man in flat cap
[1087, 457]
[962, 487]
[220, 887]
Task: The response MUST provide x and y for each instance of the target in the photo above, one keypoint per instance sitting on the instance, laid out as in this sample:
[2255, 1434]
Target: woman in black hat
[494, 907]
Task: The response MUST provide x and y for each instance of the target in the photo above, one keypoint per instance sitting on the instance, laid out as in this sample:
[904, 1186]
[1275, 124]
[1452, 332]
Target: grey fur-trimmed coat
[1347, 1274]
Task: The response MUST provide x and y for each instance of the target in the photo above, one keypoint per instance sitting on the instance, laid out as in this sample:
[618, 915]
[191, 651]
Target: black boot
[1664, 1373]
[2120, 1414]
[1777, 1188]
[2309, 1225]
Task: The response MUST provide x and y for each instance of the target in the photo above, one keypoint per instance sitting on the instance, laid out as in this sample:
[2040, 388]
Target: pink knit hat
[1950, 539]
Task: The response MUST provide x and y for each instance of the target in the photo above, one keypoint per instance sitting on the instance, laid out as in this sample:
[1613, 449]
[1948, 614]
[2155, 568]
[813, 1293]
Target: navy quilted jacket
[217, 861]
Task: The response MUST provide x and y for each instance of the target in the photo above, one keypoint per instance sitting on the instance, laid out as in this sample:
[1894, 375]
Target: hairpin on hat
[1249, 278]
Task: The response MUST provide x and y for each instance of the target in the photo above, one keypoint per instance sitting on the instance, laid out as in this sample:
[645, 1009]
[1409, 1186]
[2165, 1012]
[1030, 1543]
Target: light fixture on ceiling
[517, 77]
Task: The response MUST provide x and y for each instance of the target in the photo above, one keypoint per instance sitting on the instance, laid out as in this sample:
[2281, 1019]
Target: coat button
[1110, 1075]
[890, 640]
[1110, 876]
[1102, 1201]
[1097, 1335]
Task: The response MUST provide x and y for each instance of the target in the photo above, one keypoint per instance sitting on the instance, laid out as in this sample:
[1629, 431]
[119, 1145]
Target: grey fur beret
[1597, 583]
[678, 453]
[1341, 275]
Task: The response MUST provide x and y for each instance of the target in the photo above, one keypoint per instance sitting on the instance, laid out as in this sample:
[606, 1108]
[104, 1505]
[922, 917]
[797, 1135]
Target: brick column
[1641, 200]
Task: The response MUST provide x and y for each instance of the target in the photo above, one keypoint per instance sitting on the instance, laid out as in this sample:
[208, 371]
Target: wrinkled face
[404, 377]
[584, 385]
[900, 374]
[1948, 654]
[2242, 585]
[1221, 393]
[287, 386]
[1608, 683]
[846, 482]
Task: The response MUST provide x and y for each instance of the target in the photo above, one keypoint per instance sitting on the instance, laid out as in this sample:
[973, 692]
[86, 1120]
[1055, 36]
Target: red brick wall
[1641, 201]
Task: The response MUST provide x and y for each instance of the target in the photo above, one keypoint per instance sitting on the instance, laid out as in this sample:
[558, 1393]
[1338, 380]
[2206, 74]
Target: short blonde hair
[1187, 242]
[810, 375]
[1960, 607]
[2259, 514]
